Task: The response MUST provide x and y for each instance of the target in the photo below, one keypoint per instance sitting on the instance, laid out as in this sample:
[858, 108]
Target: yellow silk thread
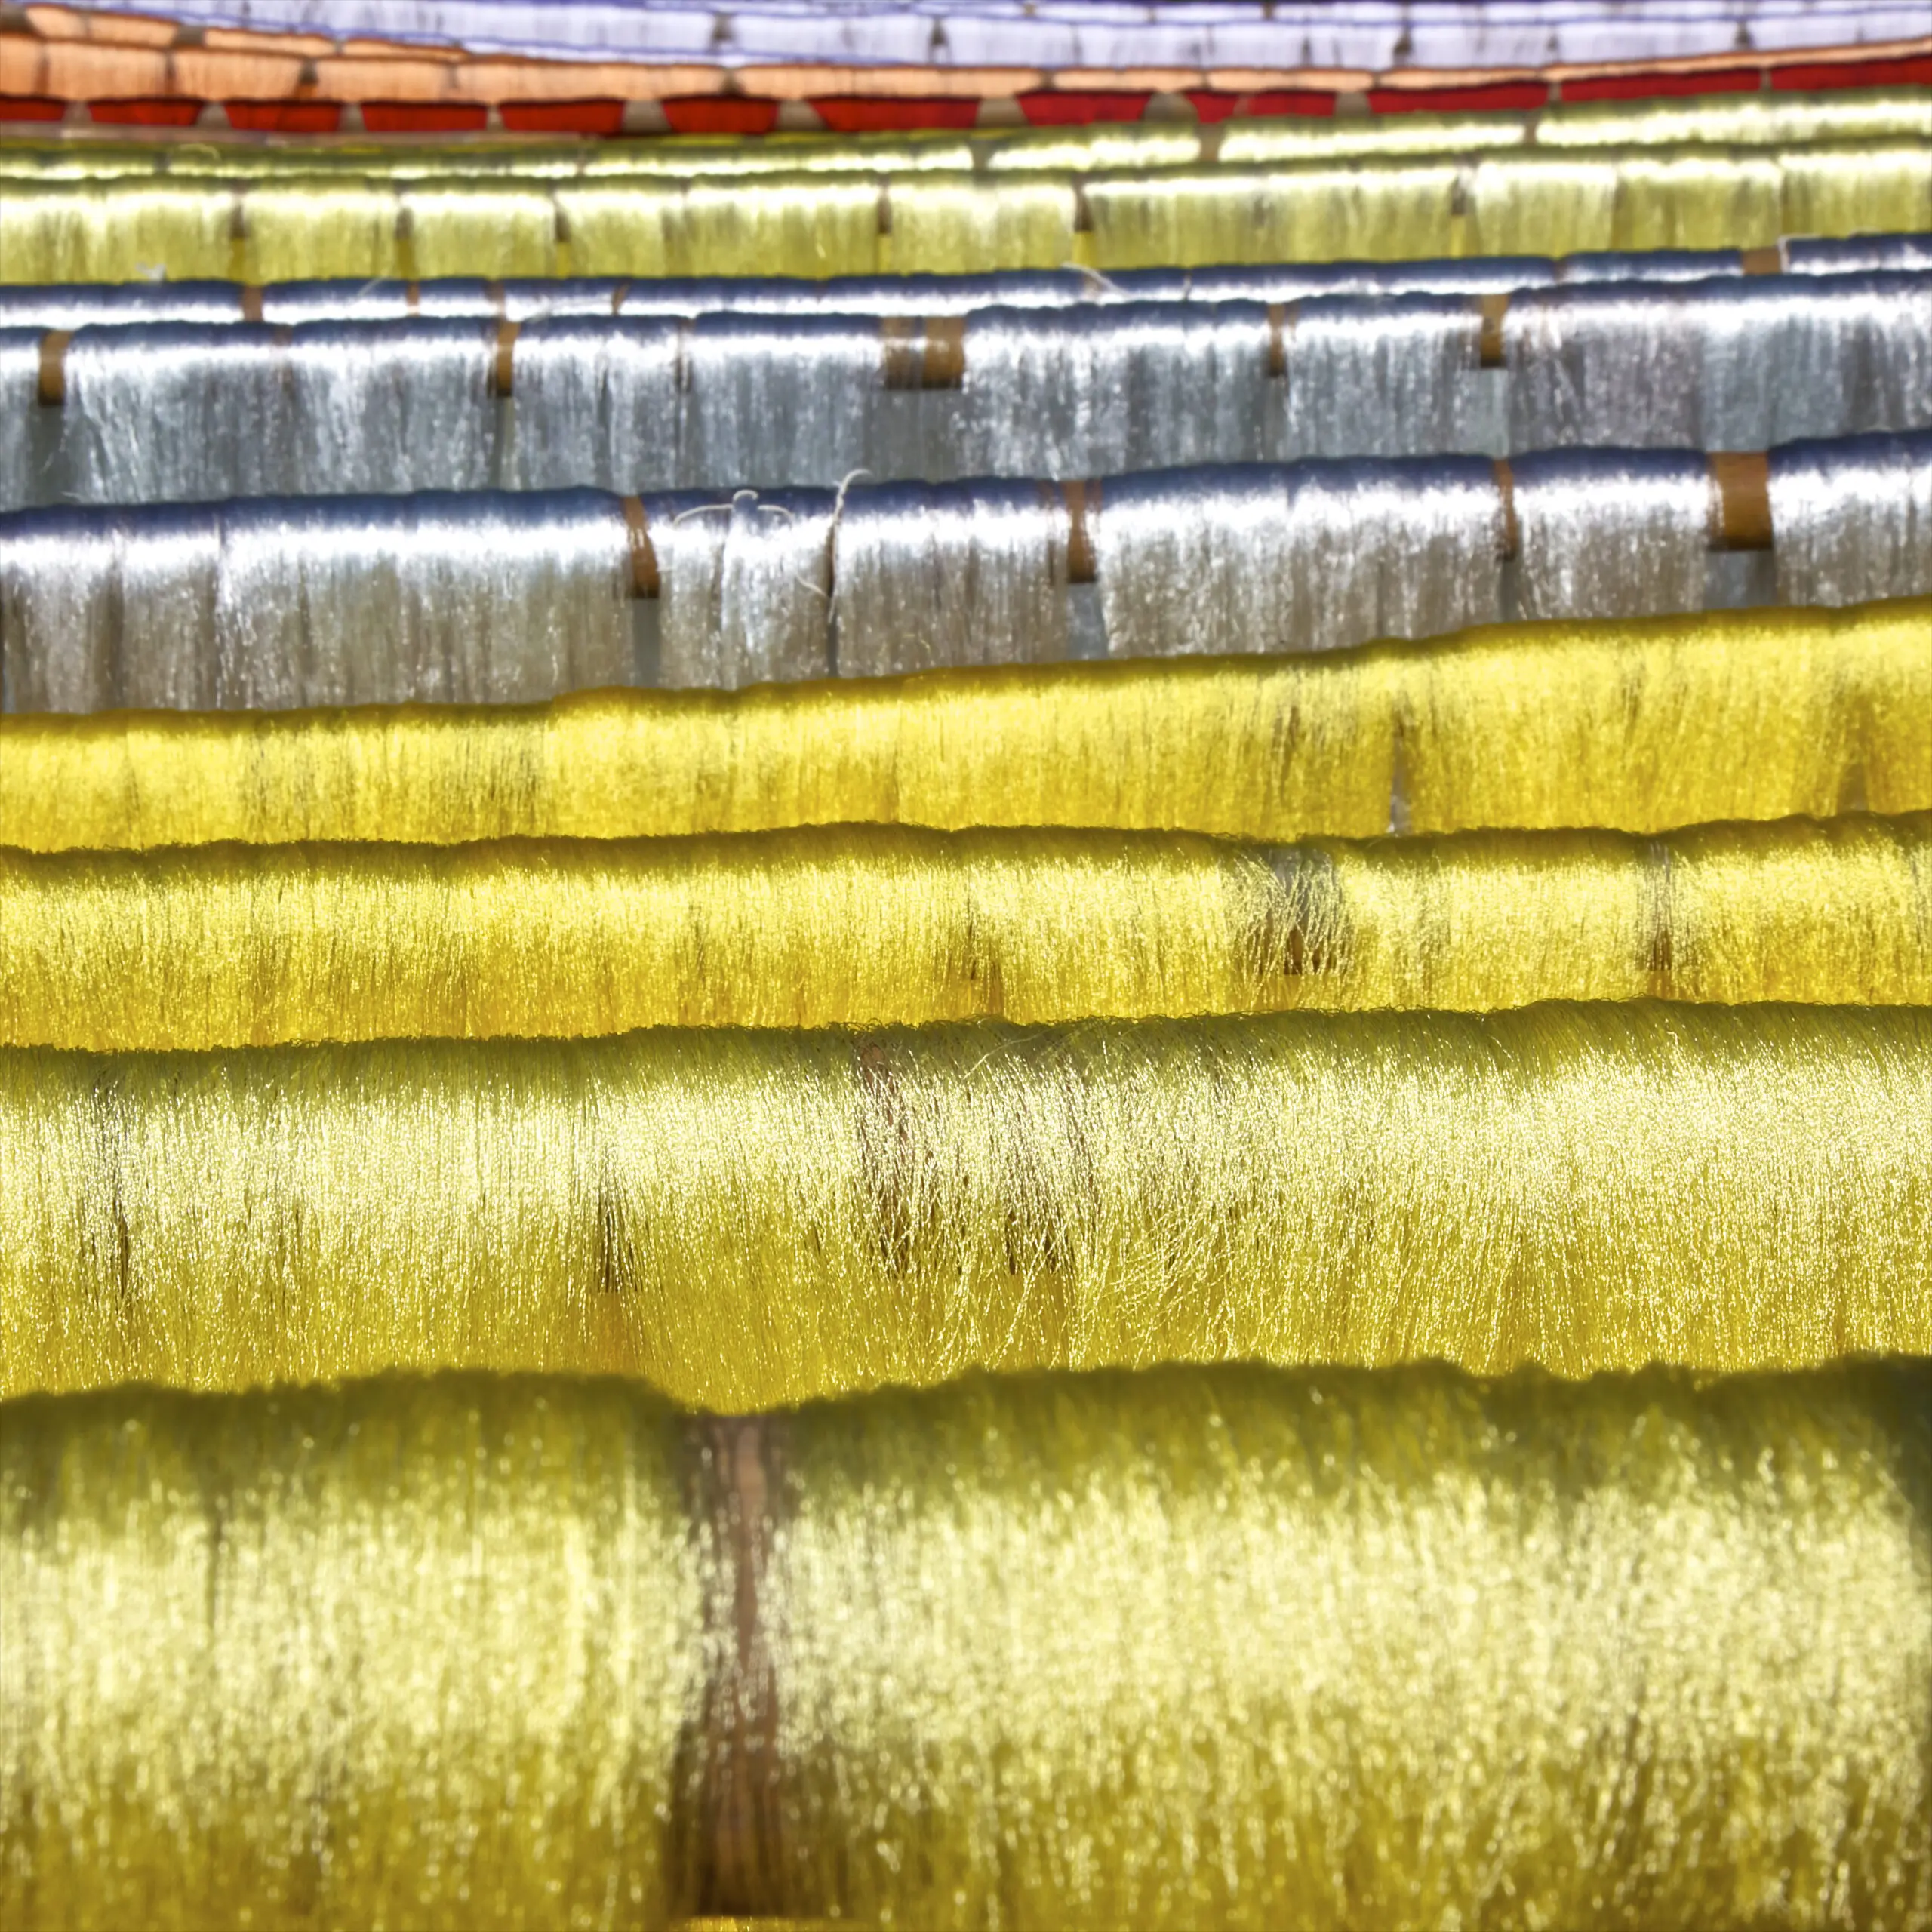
[251, 946]
[748, 1218]
[1229, 1648]
[395, 1655]
[1638, 726]
[1243, 1650]
[118, 228]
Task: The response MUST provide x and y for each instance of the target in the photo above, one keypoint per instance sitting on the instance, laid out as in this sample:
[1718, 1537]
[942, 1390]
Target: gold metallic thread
[117, 227]
[1218, 1649]
[252, 945]
[746, 1218]
[397, 1655]
[1247, 1650]
[1638, 726]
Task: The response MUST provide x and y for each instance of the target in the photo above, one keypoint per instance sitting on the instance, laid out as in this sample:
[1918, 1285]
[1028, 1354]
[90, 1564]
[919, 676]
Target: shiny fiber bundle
[928, 578]
[1616, 535]
[484, 597]
[239, 946]
[1314, 558]
[723, 401]
[787, 225]
[1853, 520]
[1092, 391]
[749, 1218]
[1386, 376]
[1188, 1649]
[179, 413]
[420, 1654]
[1639, 727]
[1242, 1649]
[745, 586]
[1527, 203]
[773, 401]
[475, 599]
[20, 405]
[1533, 203]
[1724, 365]
[597, 401]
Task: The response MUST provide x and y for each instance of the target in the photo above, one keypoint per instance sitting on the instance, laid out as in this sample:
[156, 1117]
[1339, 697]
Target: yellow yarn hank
[868, 926]
[396, 1654]
[1229, 1648]
[819, 223]
[1527, 203]
[748, 1218]
[1784, 120]
[1638, 726]
[1241, 1649]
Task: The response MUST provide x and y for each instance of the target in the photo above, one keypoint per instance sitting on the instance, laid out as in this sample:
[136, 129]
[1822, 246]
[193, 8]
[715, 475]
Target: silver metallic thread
[1611, 534]
[272, 603]
[1396, 377]
[746, 591]
[1097, 391]
[1313, 557]
[973, 573]
[1852, 521]
[1727, 365]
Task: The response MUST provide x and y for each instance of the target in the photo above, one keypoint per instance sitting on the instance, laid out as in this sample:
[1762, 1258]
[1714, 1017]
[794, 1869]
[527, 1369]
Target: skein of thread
[1809, 712]
[1721, 365]
[302, 1725]
[1852, 520]
[483, 599]
[1189, 1649]
[751, 1218]
[494, 598]
[181, 413]
[1246, 1650]
[240, 945]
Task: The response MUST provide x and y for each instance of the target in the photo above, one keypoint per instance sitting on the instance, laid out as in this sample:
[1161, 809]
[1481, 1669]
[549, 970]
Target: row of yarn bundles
[494, 597]
[1209, 1288]
[162, 412]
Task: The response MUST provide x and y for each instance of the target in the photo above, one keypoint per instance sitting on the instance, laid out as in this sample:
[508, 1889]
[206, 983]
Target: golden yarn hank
[223, 945]
[746, 1218]
[1232, 1648]
[1637, 726]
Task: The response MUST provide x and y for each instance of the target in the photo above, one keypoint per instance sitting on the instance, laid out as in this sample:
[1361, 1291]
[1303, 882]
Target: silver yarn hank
[1095, 391]
[745, 592]
[1313, 557]
[1611, 534]
[19, 406]
[179, 414]
[272, 604]
[772, 401]
[1853, 521]
[974, 573]
[1390, 377]
[597, 403]
[1724, 365]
